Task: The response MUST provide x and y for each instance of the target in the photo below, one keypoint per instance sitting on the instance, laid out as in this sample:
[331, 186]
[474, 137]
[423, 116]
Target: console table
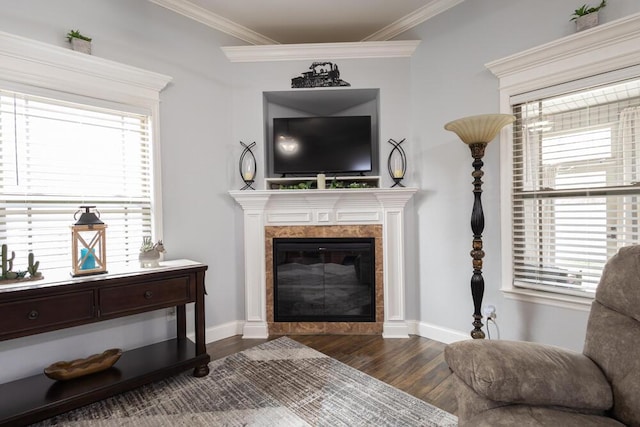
[31, 308]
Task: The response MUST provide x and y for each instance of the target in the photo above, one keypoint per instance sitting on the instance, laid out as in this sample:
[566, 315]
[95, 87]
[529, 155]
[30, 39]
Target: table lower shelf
[36, 398]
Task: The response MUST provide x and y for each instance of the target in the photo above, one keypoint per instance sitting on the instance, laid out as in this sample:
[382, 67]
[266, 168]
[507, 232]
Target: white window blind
[576, 185]
[57, 155]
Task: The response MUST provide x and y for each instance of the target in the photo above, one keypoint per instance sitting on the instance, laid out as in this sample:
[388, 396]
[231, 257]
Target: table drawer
[141, 297]
[46, 313]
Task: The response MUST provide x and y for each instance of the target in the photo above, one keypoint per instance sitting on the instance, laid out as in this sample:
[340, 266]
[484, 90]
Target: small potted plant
[79, 42]
[587, 16]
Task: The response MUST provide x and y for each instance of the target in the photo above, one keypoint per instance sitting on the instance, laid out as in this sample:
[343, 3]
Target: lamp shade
[479, 129]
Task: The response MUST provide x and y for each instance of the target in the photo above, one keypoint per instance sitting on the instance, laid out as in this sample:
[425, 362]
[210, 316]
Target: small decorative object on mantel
[321, 180]
[587, 17]
[80, 367]
[88, 243]
[397, 163]
[247, 166]
[150, 252]
[79, 42]
[322, 74]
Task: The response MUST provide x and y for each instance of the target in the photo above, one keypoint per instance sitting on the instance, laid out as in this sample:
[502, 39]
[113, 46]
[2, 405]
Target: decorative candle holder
[88, 243]
[397, 163]
[247, 166]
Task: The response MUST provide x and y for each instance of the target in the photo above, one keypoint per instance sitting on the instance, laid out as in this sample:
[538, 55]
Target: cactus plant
[33, 266]
[7, 263]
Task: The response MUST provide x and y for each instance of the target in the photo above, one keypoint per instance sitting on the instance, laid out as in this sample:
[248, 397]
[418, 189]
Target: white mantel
[383, 206]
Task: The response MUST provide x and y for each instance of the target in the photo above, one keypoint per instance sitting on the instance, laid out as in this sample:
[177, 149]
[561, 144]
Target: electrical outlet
[171, 314]
[489, 312]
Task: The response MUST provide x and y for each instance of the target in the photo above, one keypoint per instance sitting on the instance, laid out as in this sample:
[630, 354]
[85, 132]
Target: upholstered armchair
[508, 383]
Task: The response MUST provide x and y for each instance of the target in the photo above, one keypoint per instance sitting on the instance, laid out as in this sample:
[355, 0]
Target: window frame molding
[603, 49]
[30, 63]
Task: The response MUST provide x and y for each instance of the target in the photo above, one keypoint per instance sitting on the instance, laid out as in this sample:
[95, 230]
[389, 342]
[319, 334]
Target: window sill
[573, 302]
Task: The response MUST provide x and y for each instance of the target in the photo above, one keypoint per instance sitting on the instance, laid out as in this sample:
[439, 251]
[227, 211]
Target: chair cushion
[524, 415]
[619, 287]
[535, 374]
[613, 342]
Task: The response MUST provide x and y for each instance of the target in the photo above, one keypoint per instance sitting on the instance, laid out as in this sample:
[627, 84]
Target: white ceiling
[307, 21]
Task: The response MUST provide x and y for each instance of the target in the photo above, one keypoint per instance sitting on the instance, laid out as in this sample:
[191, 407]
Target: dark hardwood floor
[415, 365]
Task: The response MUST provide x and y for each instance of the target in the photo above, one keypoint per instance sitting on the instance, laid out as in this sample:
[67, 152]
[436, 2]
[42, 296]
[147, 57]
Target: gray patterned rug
[278, 383]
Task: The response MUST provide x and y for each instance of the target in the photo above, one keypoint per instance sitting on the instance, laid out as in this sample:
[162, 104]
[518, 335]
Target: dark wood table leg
[201, 348]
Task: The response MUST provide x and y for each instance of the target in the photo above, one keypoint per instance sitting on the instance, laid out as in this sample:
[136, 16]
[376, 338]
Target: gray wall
[196, 145]
[449, 81]
[211, 104]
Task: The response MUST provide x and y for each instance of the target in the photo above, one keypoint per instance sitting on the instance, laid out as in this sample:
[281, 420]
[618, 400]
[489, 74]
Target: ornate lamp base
[477, 132]
[477, 226]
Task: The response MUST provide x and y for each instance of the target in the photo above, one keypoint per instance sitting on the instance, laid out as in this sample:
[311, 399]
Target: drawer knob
[33, 315]
[148, 295]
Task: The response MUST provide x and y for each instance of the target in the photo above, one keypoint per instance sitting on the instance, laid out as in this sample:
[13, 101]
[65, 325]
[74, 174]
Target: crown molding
[409, 21]
[316, 51]
[604, 48]
[31, 62]
[210, 19]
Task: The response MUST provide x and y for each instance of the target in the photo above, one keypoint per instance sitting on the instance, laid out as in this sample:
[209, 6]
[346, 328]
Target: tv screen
[311, 145]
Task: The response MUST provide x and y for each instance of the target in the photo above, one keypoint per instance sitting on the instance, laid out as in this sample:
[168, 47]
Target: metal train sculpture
[322, 74]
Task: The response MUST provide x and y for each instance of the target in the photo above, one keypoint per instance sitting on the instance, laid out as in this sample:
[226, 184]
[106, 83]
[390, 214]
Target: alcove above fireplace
[322, 111]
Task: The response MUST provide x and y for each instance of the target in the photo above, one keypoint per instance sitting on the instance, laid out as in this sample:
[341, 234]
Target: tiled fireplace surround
[377, 213]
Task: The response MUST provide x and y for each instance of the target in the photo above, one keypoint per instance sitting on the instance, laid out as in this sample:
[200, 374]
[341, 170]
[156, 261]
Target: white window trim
[26, 62]
[603, 49]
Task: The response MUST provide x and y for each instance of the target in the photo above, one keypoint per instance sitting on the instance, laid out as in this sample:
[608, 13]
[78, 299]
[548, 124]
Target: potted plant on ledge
[586, 16]
[79, 42]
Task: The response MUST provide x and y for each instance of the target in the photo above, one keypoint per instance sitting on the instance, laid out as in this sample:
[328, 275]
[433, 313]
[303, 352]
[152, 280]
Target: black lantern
[247, 166]
[88, 243]
[397, 163]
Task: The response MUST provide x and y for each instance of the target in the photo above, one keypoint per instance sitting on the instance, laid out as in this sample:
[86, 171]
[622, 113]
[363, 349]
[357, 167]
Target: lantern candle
[89, 262]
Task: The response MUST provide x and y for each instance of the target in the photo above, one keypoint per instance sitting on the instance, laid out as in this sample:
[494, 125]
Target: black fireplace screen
[324, 279]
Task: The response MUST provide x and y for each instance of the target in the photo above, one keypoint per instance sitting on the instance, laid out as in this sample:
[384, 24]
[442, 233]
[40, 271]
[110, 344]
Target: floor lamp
[477, 132]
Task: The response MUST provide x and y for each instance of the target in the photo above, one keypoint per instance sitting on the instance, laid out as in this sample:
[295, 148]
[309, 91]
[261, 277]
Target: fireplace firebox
[324, 279]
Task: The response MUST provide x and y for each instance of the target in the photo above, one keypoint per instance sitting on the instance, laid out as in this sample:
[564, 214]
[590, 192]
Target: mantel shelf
[284, 200]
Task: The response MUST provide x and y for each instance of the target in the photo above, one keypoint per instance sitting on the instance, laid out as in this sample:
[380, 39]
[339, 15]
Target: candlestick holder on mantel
[397, 163]
[247, 166]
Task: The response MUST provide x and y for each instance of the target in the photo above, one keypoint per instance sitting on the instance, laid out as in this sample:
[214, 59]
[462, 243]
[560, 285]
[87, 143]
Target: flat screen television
[311, 145]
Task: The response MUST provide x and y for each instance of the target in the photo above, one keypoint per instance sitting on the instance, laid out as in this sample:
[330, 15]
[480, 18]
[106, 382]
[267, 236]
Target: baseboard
[220, 332]
[437, 333]
[395, 329]
[226, 330]
[413, 327]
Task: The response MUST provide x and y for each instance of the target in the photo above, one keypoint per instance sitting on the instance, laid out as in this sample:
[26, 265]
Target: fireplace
[337, 213]
[371, 233]
[324, 279]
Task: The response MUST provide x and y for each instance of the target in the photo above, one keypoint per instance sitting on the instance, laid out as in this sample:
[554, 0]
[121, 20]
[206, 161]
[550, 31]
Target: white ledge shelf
[323, 207]
[313, 51]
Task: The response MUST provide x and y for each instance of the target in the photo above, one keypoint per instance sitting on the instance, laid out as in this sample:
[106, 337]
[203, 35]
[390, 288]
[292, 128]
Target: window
[57, 155]
[576, 174]
[75, 130]
[575, 185]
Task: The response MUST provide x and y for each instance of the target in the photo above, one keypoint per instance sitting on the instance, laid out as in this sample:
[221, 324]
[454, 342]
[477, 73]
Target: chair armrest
[529, 373]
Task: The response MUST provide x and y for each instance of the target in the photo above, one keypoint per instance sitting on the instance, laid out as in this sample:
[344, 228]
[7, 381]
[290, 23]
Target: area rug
[278, 383]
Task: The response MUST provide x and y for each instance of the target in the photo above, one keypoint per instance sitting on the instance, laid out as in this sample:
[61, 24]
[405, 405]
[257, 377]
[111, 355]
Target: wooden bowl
[76, 368]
